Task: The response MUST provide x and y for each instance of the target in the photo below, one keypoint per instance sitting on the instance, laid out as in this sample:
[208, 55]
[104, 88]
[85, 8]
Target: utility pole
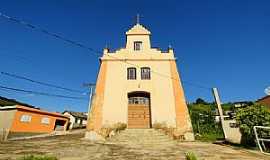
[91, 86]
[217, 99]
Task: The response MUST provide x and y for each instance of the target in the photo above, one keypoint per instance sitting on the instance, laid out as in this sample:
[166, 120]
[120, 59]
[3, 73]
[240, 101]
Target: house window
[137, 45]
[145, 73]
[45, 120]
[26, 118]
[131, 73]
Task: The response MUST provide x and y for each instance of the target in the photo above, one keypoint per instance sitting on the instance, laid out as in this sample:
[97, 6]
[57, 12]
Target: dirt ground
[73, 147]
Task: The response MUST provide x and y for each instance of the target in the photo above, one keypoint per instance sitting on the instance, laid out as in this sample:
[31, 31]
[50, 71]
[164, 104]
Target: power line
[44, 31]
[40, 83]
[41, 93]
[78, 44]
[196, 85]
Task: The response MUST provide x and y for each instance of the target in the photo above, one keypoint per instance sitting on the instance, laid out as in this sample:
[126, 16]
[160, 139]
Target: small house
[76, 119]
[18, 120]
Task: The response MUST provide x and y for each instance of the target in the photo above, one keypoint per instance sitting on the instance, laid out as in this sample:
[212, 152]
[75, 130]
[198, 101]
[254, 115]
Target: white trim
[8, 107]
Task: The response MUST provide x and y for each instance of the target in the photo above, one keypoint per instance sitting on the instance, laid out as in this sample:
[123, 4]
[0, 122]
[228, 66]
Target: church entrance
[139, 111]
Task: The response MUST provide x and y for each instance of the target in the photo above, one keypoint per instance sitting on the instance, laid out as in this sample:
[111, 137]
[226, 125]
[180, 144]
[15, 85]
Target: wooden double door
[138, 116]
[139, 113]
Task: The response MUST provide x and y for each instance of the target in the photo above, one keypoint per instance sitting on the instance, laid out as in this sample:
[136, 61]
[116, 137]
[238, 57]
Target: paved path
[73, 147]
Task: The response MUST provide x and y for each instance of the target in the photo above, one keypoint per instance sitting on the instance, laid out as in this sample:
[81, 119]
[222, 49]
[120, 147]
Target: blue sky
[222, 44]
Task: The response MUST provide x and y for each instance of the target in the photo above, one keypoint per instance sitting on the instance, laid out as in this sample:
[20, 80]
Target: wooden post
[217, 99]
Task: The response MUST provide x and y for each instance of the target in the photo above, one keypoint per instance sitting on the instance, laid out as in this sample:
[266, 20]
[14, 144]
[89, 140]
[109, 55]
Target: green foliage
[190, 156]
[203, 122]
[35, 157]
[210, 136]
[247, 118]
[227, 107]
[202, 117]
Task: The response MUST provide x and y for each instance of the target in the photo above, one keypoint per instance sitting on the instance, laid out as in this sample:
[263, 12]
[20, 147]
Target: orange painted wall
[182, 115]
[95, 117]
[35, 125]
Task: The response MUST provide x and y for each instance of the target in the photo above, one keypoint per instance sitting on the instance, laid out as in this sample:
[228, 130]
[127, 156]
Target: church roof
[138, 29]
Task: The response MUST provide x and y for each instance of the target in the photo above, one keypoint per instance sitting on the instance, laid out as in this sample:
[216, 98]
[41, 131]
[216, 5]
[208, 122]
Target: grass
[38, 157]
[191, 156]
[209, 137]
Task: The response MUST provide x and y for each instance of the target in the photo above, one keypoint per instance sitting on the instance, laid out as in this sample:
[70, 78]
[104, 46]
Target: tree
[200, 101]
[247, 118]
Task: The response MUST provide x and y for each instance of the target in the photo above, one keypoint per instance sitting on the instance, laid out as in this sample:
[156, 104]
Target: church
[139, 85]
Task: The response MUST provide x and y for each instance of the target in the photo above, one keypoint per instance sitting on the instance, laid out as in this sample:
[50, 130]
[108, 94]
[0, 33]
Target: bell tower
[138, 38]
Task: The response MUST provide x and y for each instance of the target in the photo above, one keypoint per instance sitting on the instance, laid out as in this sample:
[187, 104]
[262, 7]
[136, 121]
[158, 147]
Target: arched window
[131, 73]
[145, 73]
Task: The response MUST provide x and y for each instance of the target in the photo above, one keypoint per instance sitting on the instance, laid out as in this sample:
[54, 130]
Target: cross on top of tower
[138, 19]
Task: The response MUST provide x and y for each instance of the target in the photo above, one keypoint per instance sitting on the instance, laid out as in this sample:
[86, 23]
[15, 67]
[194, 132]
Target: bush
[170, 131]
[35, 157]
[247, 118]
[119, 127]
[105, 131]
[158, 125]
[190, 156]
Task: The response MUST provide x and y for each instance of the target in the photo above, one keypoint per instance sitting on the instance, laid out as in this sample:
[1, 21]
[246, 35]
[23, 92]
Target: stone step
[144, 136]
[146, 144]
[135, 131]
[143, 139]
[130, 144]
[149, 138]
[140, 130]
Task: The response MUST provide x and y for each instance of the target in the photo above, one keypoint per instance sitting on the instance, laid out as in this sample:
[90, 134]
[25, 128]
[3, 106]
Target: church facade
[139, 85]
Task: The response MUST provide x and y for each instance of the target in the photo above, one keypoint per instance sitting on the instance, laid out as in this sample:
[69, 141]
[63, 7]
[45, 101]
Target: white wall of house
[73, 123]
[6, 119]
[232, 131]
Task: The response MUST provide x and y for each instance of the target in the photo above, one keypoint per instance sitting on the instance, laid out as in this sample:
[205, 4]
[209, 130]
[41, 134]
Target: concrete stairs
[144, 144]
[142, 138]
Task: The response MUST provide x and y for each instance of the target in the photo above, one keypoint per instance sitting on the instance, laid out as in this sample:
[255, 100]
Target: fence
[262, 135]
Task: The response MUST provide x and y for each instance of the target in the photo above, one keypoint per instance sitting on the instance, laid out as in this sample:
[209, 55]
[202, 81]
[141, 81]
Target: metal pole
[90, 99]
[91, 85]
[217, 99]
